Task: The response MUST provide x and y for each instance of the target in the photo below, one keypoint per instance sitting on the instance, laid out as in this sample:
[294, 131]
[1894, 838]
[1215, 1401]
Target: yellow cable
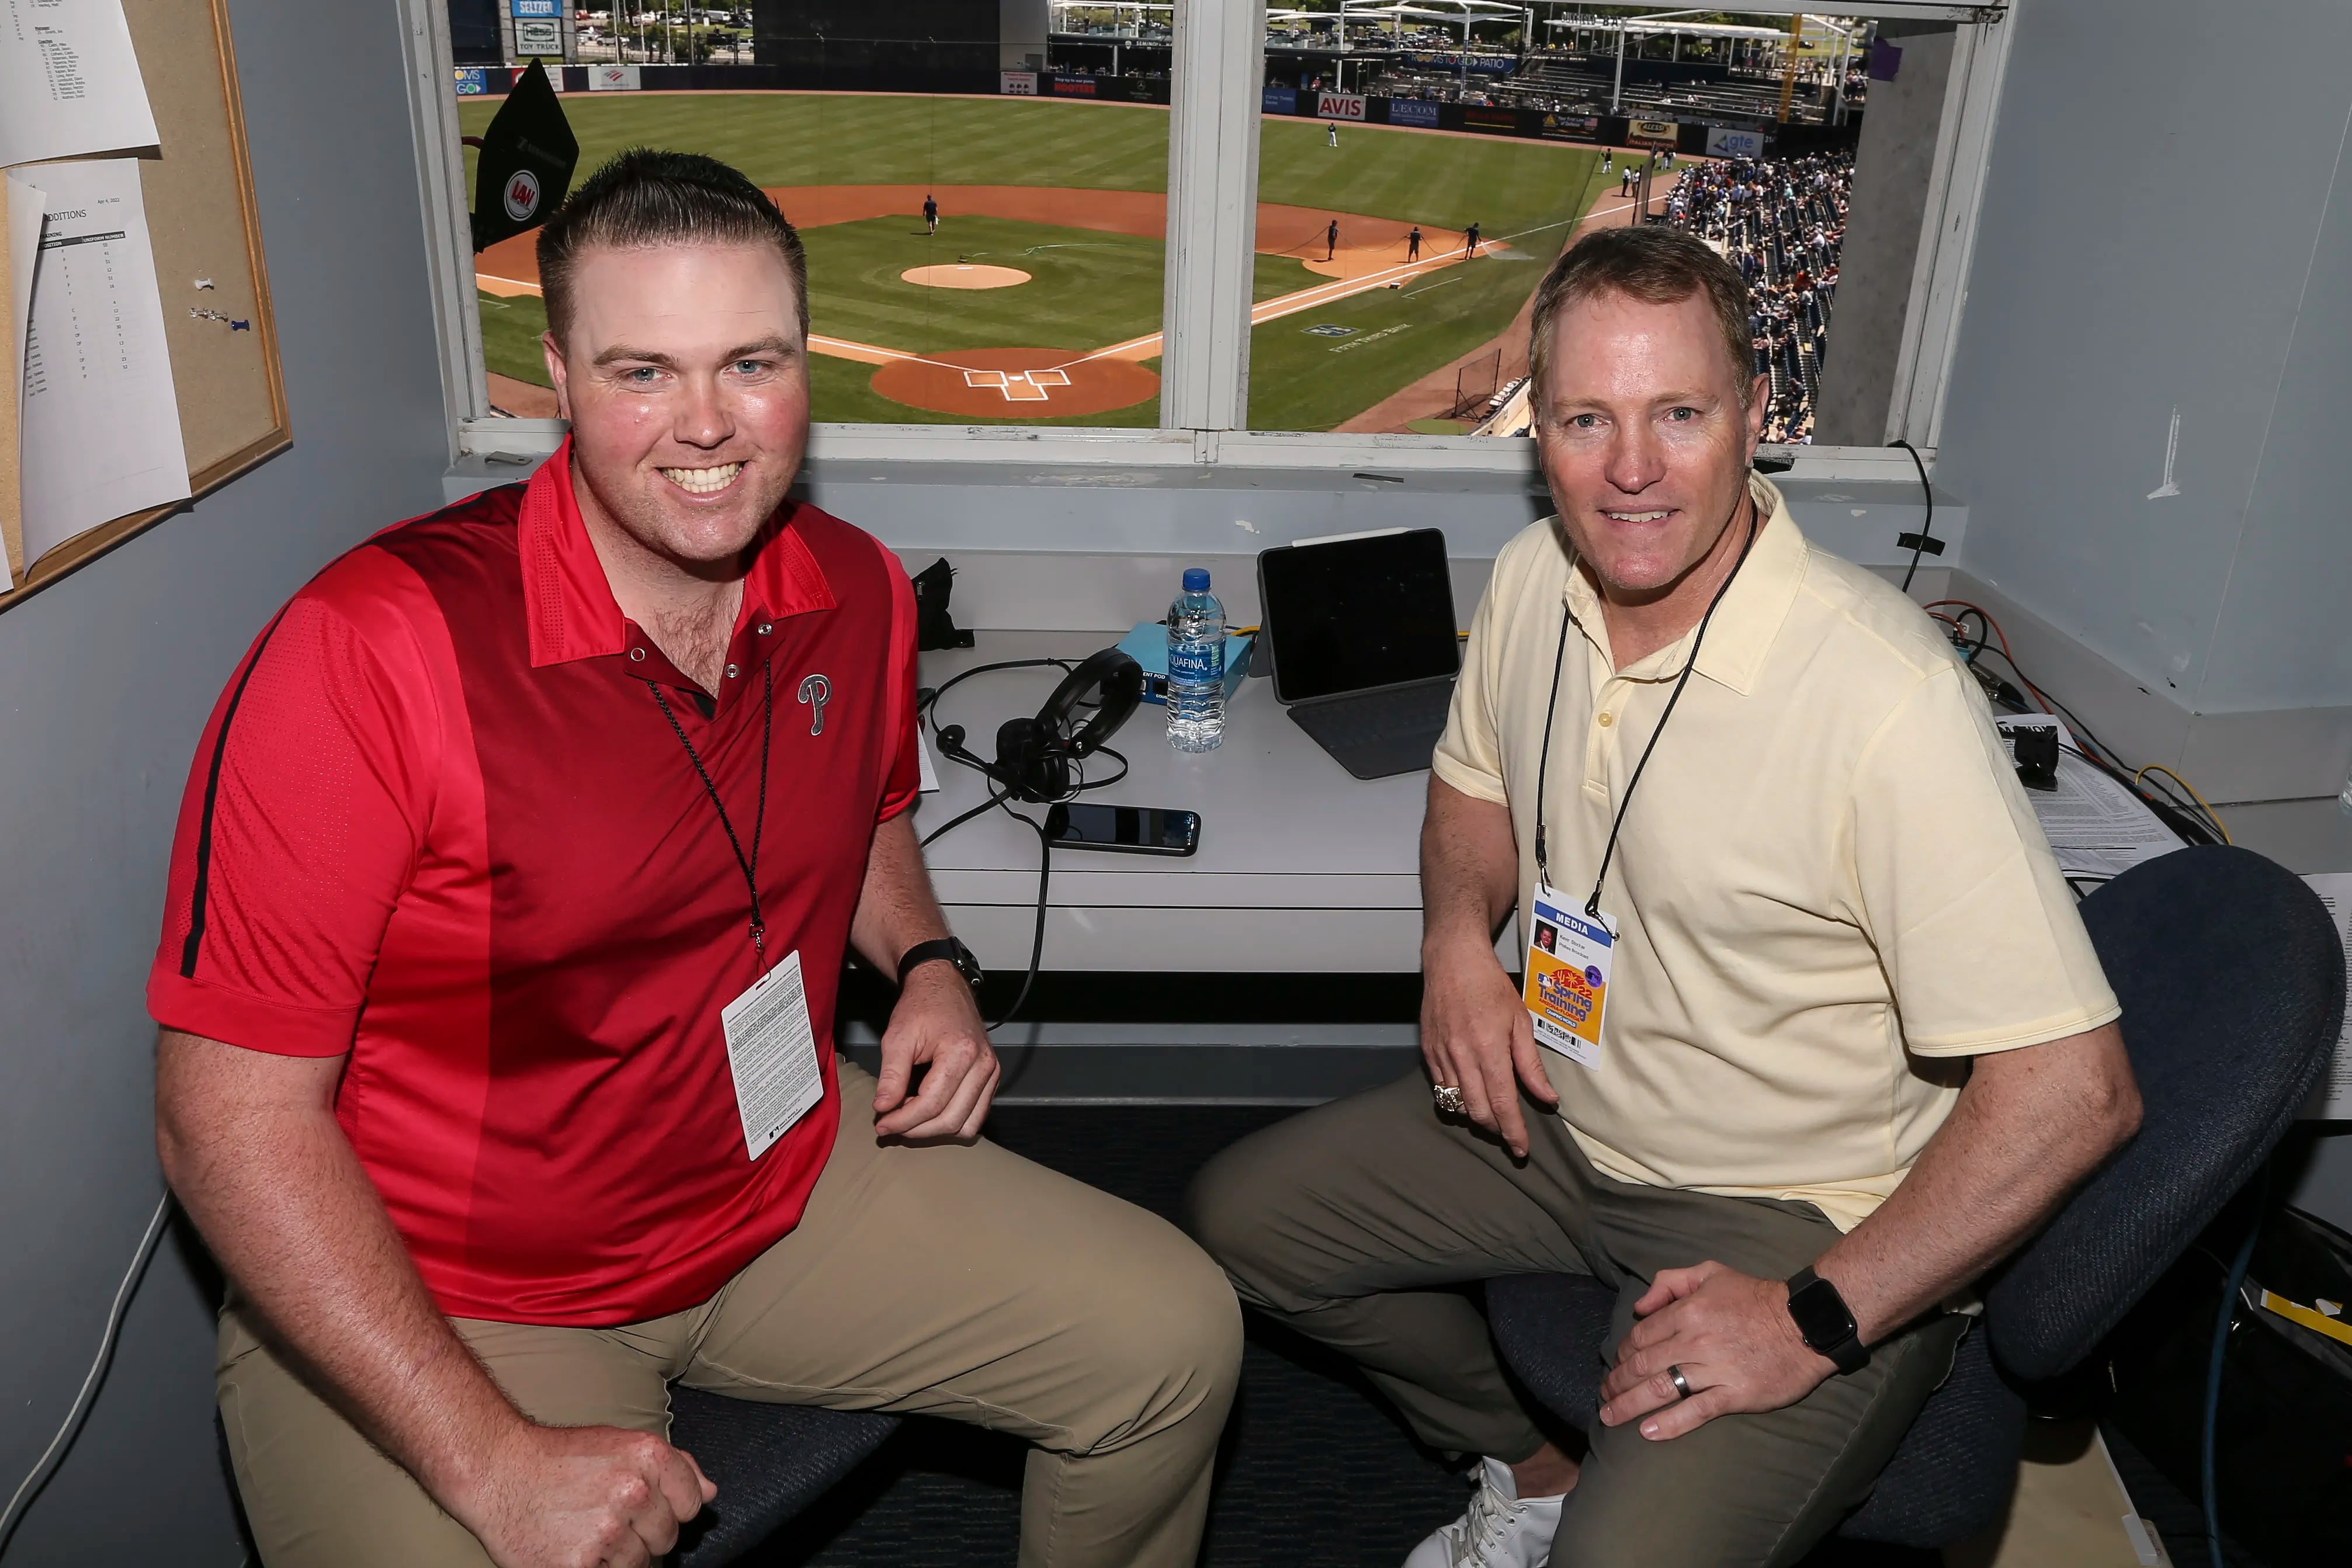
[2215, 816]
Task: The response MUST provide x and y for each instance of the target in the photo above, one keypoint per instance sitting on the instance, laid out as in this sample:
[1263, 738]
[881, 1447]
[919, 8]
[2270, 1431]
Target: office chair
[769, 1461]
[2232, 982]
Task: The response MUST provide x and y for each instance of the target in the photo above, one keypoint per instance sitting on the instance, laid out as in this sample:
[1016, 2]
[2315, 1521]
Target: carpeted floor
[1315, 1472]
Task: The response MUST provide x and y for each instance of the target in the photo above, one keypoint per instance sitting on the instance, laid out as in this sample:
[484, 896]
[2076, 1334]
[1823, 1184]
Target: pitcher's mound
[1016, 383]
[965, 275]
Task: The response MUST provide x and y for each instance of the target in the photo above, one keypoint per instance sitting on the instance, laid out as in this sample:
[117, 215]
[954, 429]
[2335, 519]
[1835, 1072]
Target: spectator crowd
[1781, 221]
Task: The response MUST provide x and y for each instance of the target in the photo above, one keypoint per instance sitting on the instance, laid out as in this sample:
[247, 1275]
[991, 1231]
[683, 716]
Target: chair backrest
[2231, 980]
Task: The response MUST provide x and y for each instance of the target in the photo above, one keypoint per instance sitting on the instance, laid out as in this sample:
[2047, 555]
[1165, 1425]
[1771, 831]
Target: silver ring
[1682, 1383]
[1449, 1099]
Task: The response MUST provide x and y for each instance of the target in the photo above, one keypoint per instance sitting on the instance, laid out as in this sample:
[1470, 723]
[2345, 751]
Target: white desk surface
[1311, 870]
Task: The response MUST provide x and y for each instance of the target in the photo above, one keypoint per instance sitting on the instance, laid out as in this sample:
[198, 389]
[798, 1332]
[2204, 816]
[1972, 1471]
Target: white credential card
[772, 1049]
[100, 422]
[69, 81]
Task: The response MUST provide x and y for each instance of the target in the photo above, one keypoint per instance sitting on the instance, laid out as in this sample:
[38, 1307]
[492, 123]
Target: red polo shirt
[438, 822]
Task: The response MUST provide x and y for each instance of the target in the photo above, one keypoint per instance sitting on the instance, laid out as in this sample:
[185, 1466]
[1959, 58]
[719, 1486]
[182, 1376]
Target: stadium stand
[1781, 221]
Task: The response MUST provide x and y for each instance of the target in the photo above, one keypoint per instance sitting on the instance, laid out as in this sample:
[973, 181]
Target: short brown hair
[1656, 265]
[644, 198]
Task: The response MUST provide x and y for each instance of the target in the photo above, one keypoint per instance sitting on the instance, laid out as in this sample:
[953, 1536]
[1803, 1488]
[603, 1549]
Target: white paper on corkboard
[20, 246]
[69, 81]
[101, 416]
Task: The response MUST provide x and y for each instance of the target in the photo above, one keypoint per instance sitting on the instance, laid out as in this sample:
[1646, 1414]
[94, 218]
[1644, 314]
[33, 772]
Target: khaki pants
[1353, 1222]
[946, 1280]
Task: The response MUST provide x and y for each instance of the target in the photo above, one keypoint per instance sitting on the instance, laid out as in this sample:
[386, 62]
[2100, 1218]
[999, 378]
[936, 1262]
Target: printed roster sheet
[100, 420]
[2331, 1100]
[69, 82]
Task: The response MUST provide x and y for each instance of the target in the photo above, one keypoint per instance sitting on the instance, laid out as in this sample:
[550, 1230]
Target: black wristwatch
[1824, 1319]
[946, 947]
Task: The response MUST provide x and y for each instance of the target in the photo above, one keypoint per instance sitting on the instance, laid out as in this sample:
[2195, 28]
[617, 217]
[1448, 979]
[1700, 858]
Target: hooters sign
[1339, 106]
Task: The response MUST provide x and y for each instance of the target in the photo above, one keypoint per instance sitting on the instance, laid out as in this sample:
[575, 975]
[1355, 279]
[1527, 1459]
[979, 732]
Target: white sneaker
[1501, 1530]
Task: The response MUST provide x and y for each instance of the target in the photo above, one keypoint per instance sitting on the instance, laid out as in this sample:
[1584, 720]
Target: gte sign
[1339, 106]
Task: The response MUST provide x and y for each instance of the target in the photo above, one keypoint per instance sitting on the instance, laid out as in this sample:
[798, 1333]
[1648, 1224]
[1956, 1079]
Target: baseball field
[1038, 299]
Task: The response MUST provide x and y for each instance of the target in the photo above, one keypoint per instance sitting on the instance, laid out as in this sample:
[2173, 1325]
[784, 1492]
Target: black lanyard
[1559, 658]
[749, 864]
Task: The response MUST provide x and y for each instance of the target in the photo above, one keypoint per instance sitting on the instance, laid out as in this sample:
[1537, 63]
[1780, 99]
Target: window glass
[1030, 292]
[1422, 164]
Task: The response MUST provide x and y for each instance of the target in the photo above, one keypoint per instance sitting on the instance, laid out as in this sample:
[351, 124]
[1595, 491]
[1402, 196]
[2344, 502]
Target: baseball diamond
[1037, 301]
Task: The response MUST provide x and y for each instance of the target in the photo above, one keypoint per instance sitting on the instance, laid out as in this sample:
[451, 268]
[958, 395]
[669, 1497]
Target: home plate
[964, 275]
[1014, 383]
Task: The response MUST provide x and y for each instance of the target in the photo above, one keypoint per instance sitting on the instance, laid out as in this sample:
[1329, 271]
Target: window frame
[1213, 174]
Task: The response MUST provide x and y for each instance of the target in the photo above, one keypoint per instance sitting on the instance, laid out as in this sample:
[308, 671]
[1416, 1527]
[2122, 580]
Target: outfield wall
[1412, 113]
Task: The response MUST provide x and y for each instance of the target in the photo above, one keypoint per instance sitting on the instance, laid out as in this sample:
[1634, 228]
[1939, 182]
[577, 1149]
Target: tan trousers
[1356, 1223]
[954, 1281]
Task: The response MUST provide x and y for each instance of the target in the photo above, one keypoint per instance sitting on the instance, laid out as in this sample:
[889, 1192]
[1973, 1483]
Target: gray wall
[2160, 232]
[109, 678]
[1891, 172]
[2154, 237]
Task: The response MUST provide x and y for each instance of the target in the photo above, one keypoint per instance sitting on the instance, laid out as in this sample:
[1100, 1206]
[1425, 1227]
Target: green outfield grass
[1303, 381]
[1505, 185]
[510, 334]
[1086, 289]
[862, 139]
[1092, 288]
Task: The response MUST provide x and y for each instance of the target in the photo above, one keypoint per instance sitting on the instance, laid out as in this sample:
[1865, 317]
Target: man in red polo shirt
[515, 873]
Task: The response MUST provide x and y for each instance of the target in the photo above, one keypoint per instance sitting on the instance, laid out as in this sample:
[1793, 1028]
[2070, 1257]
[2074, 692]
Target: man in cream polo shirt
[1812, 1031]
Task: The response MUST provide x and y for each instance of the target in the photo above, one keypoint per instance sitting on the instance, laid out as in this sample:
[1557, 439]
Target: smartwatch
[1824, 1321]
[946, 948]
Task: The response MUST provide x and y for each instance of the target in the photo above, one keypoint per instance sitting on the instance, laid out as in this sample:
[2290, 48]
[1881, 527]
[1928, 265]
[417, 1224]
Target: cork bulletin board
[202, 225]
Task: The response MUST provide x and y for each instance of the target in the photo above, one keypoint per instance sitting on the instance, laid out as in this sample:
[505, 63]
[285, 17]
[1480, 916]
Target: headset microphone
[1035, 756]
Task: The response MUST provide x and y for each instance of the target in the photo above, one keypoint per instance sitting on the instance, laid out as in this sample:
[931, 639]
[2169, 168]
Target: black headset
[1034, 756]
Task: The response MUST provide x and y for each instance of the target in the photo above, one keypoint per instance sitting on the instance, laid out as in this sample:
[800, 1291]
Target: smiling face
[1644, 437]
[684, 372]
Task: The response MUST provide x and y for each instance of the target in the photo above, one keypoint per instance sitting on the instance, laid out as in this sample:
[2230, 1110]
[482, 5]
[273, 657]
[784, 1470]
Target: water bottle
[1196, 665]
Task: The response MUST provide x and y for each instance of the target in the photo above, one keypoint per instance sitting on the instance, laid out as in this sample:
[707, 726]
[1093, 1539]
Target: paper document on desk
[69, 81]
[2331, 1100]
[101, 418]
[2095, 827]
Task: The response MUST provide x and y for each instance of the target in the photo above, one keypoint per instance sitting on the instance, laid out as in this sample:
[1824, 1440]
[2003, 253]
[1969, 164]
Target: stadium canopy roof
[1391, 10]
[1644, 26]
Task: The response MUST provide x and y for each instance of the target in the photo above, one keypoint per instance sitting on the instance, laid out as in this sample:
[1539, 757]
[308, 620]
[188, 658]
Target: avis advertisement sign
[1723, 141]
[613, 78]
[1339, 106]
[1017, 84]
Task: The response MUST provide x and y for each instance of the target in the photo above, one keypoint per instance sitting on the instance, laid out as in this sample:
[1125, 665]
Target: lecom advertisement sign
[1339, 106]
[1017, 84]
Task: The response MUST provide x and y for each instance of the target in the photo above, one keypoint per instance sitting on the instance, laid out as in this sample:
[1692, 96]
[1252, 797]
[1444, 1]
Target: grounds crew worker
[496, 984]
[1826, 1036]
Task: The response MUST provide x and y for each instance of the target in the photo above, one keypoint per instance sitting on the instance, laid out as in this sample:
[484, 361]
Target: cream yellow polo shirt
[1829, 882]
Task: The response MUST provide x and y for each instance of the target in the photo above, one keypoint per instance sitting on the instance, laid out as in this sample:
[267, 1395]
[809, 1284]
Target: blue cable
[2237, 1268]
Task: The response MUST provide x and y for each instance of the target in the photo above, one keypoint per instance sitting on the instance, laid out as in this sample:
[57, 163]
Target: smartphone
[1133, 829]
